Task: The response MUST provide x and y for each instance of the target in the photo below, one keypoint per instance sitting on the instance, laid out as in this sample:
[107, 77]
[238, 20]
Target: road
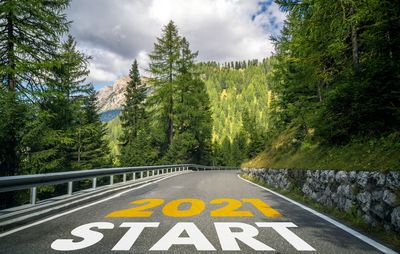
[185, 218]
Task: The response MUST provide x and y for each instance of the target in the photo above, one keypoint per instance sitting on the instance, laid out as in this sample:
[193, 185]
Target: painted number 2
[194, 207]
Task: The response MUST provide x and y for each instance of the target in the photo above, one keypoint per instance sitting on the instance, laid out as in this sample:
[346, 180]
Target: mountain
[111, 98]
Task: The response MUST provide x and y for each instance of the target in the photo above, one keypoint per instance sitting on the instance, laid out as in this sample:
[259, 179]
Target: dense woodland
[333, 85]
[336, 85]
[240, 102]
[49, 117]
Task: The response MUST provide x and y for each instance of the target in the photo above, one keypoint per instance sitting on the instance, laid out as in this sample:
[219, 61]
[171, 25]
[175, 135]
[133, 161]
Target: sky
[115, 32]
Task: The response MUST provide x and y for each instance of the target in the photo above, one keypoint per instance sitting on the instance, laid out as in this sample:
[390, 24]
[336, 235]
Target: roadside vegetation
[335, 86]
[378, 154]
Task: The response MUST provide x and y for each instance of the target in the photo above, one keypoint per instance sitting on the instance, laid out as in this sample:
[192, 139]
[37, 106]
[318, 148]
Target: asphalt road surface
[208, 212]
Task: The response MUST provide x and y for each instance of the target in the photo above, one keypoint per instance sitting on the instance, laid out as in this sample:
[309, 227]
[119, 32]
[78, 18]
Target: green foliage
[66, 133]
[135, 141]
[113, 135]
[29, 40]
[179, 108]
[50, 122]
[336, 84]
[165, 64]
[377, 154]
[338, 75]
[240, 100]
[91, 149]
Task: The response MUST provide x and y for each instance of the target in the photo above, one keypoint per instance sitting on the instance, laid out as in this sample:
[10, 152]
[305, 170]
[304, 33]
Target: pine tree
[133, 113]
[180, 100]
[90, 147]
[164, 66]
[29, 40]
[186, 58]
[51, 136]
[135, 143]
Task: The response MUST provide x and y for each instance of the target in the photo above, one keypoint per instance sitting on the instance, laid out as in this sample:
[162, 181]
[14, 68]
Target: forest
[336, 87]
[329, 97]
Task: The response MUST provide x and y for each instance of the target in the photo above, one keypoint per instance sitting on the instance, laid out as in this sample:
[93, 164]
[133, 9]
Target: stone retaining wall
[373, 196]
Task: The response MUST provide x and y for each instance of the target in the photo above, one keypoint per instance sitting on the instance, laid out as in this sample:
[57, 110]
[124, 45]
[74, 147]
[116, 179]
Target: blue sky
[114, 33]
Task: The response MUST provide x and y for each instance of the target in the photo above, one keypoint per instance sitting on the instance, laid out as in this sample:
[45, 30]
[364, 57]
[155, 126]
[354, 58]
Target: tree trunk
[319, 91]
[79, 146]
[170, 121]
[10, 54]
[354, 44]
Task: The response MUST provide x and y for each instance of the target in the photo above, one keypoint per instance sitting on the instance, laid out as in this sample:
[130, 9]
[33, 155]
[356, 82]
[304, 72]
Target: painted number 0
[172, 208]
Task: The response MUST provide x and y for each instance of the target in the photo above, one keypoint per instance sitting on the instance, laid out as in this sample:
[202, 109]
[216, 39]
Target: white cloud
[116, 32]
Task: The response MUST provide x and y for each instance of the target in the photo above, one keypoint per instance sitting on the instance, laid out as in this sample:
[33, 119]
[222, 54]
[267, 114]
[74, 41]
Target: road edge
[347, 229]
[17, 229]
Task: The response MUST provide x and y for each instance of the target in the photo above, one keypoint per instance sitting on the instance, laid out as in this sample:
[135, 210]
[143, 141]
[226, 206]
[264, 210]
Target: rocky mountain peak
[113, 97]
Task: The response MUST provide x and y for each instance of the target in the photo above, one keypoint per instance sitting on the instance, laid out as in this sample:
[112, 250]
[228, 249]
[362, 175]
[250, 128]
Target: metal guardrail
[13, 183]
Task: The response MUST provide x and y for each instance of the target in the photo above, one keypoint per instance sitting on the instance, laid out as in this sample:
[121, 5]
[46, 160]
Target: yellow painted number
[263, 207]
[172, 208]
[230, 209]
[139, 211]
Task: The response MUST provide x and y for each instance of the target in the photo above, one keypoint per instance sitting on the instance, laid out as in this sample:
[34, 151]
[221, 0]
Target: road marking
[356, 234]
[197, 206]
[138, 211]
[231, 209]
[226, 236]
[172, 208]
[264, 208]
[82, 207]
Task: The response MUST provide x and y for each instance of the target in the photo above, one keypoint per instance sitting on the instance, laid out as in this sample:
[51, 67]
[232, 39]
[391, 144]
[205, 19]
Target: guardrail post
[94, 182]
[124, 178]
[111, 179]
[69, 188]
[141, 174]
[133, 176]
[153, 172]
[33, 196]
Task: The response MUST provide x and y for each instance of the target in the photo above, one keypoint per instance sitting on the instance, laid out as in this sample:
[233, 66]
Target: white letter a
[195, 237]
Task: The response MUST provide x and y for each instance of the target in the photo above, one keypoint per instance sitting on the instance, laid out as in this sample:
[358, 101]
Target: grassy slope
[379, 154]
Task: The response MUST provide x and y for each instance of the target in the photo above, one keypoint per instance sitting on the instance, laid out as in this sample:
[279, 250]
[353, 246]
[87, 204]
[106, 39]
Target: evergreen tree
[186, 58]
[226, 152]
[29, 40]
[134, 140]
[338, 75]
[254, 134]
[164, 66]
[193, 121]
[51, 140]
[180, 101]
[90, 147]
